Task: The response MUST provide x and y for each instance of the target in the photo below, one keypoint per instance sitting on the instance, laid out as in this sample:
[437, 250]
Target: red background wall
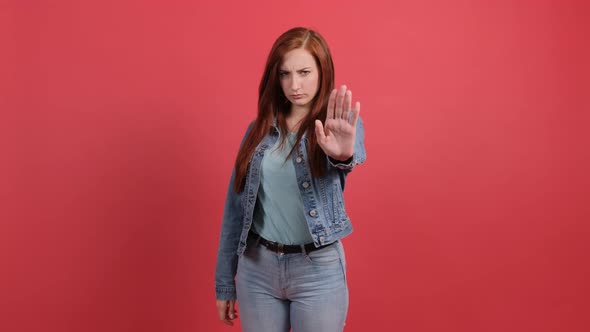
[120, 121]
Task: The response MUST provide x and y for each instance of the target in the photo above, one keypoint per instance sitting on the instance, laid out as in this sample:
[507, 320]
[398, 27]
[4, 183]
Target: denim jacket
[322, 197]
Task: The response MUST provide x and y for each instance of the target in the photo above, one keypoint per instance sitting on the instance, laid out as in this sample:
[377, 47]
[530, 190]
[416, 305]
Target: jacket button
[313, 213]
[305, 184]
[298, 160]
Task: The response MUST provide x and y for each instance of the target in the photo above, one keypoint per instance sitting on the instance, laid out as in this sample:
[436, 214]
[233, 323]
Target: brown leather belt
[280, 248]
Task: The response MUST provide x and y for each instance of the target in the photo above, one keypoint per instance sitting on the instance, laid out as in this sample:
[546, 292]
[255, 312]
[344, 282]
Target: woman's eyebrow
[304, 68]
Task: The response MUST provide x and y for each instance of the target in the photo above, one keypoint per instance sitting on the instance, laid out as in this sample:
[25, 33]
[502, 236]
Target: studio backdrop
[120, 122]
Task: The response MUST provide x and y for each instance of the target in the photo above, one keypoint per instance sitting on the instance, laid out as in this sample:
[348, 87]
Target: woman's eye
[282, 74]
[305, 72]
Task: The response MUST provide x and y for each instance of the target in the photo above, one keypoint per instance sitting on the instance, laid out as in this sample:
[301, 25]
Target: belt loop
[303, 250]
[280, 248]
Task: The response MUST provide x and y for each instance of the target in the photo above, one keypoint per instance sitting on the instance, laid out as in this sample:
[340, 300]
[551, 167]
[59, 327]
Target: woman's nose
[295, 84]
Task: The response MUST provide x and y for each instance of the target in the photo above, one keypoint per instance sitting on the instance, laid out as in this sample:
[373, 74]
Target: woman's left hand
[336, 137]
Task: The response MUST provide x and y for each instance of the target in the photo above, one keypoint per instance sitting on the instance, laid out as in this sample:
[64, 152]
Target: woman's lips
[297, 96]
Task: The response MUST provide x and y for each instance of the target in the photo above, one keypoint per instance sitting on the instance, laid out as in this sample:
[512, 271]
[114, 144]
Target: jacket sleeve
[231, 229]
[360, 154]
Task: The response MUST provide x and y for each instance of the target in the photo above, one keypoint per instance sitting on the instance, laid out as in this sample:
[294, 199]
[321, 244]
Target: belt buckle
[280, 248]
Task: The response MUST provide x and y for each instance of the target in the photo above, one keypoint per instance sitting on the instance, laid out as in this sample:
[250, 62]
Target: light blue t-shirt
[279, 212]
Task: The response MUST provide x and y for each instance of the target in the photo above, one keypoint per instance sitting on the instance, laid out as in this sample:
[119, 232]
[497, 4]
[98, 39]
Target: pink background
[120, 121]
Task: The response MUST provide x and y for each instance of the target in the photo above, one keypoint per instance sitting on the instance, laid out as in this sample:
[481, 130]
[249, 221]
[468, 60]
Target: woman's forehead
[297, 59]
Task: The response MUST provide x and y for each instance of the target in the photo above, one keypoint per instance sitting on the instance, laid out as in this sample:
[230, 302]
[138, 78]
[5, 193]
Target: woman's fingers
[347, 103]
[319, 132]
[355, 113]
[340, 106]
[222, 310]
[331, 104]
[232, 310]
[339, 102]
[226, 311]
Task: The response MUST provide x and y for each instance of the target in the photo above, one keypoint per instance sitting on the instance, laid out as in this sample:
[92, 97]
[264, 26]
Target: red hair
[273, 103]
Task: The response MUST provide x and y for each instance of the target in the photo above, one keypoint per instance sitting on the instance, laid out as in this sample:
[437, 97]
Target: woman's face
[299, 77]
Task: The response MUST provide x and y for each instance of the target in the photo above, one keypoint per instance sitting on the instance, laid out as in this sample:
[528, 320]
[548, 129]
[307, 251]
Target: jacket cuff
[225, 293]
[347, 164]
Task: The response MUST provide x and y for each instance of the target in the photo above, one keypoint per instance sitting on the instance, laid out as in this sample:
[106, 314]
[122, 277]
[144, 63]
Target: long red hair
[273, 103]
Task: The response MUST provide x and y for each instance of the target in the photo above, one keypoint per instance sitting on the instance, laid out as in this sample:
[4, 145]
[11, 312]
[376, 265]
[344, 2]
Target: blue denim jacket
[322, 197]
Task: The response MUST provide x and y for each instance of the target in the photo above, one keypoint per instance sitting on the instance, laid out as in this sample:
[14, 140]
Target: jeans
[303, 291]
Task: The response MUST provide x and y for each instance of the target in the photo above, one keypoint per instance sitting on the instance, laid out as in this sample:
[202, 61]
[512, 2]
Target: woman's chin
[300, 102]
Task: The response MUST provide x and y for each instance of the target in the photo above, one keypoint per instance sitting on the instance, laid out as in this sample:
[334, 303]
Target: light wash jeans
[303, 291]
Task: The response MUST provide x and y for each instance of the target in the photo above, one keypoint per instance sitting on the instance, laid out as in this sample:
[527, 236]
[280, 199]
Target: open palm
[336, 136]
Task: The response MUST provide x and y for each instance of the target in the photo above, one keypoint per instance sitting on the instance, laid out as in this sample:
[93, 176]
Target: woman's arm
[231, 229]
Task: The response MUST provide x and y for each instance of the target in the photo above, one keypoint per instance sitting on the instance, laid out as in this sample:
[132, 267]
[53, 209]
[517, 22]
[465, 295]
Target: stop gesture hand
[336, 136]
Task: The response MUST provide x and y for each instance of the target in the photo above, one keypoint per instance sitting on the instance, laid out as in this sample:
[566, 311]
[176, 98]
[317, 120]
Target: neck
[295, 117]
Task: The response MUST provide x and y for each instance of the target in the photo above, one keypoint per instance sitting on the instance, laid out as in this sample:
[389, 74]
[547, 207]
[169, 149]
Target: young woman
[280, 253]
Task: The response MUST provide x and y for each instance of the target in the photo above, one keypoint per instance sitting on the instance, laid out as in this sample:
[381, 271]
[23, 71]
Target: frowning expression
[299, 77]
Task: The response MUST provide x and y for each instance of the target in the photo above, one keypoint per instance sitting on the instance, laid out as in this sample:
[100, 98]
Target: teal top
[279, 212]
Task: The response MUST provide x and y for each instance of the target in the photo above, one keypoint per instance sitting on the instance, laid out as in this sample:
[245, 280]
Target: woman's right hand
[227, 311]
